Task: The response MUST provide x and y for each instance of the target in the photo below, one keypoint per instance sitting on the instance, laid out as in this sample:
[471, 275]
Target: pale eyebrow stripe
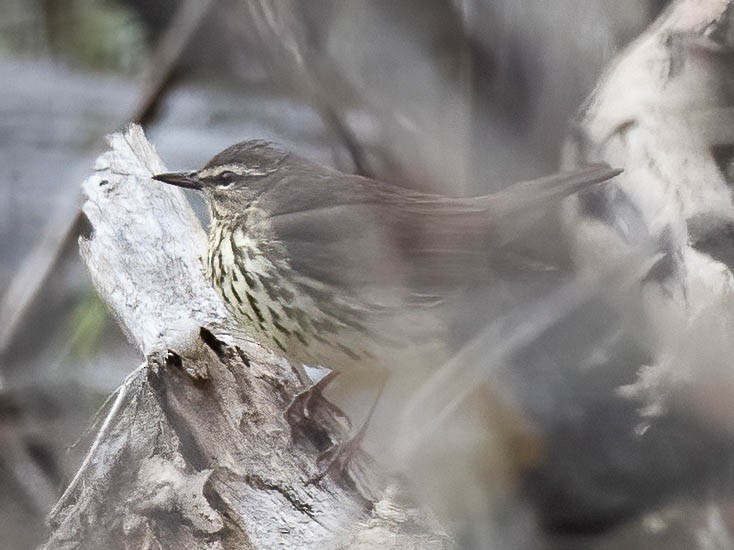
[215, 171]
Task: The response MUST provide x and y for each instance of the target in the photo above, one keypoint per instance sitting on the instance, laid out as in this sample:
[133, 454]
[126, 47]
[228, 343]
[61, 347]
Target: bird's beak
[187, 180]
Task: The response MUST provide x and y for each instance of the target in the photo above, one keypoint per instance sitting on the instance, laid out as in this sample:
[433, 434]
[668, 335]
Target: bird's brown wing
[366, 236]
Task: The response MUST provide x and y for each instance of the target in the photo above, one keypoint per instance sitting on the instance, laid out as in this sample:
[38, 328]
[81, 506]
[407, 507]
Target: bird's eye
[227, 177]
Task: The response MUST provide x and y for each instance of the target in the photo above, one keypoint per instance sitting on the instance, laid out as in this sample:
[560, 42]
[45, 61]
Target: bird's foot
[337, 458]
[300, 409]
[340, 455]
[313, 418]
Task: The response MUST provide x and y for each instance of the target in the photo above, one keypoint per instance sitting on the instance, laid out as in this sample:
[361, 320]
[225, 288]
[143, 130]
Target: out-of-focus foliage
[96, 34]
[86, 325]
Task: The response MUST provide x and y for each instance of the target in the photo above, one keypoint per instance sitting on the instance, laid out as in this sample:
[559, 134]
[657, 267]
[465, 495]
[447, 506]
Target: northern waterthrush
[333, 269]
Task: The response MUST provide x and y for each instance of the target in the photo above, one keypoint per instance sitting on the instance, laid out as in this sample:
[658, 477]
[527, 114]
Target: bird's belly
[288, 315]
[295, 328]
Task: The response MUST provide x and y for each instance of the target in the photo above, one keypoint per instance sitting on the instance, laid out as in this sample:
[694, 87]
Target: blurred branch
[167, 55]
[33, 274]
[64, 227]
[283, 30]
[196, 449]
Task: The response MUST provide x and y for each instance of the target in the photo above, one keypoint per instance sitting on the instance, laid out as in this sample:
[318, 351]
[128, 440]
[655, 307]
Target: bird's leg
[300, 408]
[339, 455]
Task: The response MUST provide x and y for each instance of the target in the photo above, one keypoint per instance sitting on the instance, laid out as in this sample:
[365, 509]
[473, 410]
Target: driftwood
[195, 451]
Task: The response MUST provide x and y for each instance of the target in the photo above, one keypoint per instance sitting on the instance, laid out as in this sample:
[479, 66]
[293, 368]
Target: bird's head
[236, 174]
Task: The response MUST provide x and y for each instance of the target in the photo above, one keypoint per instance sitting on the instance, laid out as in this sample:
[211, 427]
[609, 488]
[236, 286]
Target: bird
[342, 271]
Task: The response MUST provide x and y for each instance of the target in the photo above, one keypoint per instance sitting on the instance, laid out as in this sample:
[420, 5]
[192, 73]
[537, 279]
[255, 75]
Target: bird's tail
[525, 194]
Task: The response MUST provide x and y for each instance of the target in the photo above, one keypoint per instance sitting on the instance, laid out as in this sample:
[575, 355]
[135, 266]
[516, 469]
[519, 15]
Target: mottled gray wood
[195, 451]
[664, 112]
[660, 111]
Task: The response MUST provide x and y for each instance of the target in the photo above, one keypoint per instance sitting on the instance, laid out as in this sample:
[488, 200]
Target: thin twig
[121, 393]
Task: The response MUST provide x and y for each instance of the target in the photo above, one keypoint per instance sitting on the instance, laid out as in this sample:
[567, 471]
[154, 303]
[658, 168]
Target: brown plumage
[331, 268]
